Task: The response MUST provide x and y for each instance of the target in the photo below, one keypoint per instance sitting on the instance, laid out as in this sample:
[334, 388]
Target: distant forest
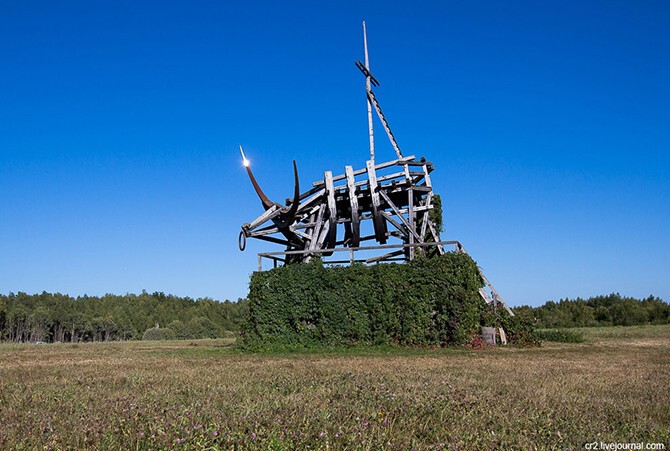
[48, 317]
[57, 317]
[609, 310]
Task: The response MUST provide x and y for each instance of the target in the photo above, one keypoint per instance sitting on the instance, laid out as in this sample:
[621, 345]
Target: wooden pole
[368, 87]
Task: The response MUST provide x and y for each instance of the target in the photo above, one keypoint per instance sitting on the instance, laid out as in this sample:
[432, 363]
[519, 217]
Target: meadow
[205, 394]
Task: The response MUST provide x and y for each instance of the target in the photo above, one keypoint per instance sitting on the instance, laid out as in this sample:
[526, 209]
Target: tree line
[55, 317]
[607, 310]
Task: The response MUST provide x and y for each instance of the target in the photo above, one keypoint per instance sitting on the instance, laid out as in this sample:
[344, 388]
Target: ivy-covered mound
[429, 301]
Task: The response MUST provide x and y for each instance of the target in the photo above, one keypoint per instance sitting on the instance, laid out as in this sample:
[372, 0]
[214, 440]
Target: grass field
[614, 388]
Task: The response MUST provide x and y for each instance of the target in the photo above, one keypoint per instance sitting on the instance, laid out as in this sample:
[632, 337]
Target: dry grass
[205, 395]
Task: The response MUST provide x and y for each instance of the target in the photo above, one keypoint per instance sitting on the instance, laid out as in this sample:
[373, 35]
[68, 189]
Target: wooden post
[353, 201]
[412, 222]
[368, 87]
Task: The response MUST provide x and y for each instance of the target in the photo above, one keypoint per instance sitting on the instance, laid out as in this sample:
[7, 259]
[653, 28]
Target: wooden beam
[379, 166]
[269, 214]
[332, 208]
[378, 219]
[384, 257]
[404, 230]
[353, 202]
[398, 213]
[412, 226]
[316, 232]
[424, 224]
[318, 193]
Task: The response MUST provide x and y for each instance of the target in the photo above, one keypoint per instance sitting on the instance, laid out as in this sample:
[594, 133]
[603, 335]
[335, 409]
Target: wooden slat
[411, 213]
[384, 257]
[353, 201]
[378, 220]
[332, 208]
[424, 224]
[269, 213]
[316, 232]
[318, 193]
[436, 236]
[379, 166]
[382, 118]
[397, 211]
[401, 228]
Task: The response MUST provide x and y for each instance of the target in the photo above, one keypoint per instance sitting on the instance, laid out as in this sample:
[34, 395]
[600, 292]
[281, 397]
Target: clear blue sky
[548, 123]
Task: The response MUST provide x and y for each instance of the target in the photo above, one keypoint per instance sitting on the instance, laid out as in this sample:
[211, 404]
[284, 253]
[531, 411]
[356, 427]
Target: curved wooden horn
[296, 192]
[267, 203]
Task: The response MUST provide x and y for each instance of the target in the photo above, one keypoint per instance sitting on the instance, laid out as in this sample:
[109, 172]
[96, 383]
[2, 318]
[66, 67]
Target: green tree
[182, 331]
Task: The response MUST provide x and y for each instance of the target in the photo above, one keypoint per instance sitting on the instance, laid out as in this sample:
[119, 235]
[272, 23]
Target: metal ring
[242, 240]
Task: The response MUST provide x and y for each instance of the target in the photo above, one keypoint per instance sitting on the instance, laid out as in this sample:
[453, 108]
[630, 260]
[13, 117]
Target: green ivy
[429, 301]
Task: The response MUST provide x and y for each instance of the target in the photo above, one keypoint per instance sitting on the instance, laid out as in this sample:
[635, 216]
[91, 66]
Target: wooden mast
[368, 88]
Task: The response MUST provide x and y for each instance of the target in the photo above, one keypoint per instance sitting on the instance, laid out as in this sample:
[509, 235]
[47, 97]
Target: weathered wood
[368, 86]
[401, 228]
[395, 175]
[496, 297]
[426, 176]
[384, 257]
[378, 220]
[407, 224]
[272, 239]
[266, 231]
[386, 164]
[436, 236]
[353, 202]
[323, 235]
[269, 213]
[382, 118]
[332, 209]
[424, 224]
[401, 195]
[317, 194]
[316, 231]
[424, 189]
[411, 225]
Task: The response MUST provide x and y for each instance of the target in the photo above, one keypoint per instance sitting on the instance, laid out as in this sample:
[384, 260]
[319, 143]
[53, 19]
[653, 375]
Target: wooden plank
[401, 228]
[301, 233]
[357, 172]
[322, 236]
[308, 193]
[353, 201]
[426, 175]
[378, 219]
[305, 225]
[397, 211]
[420, 163]
[332, 208]
[424, 224]
[272, 239]
[496, 295]
[316, 232]
[411, 226]
[269, 214]
[436, 237]
[382, 118]
[315, 198]
[395, 175]
[385, 256]
[266, 231]
[421, 188]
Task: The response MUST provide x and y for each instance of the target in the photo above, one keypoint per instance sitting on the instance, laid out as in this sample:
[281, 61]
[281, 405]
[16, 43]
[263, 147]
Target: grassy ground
[612, 388]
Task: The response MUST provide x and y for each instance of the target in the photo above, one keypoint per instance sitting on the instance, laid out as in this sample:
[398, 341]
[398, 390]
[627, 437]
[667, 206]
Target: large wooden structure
[381, 202]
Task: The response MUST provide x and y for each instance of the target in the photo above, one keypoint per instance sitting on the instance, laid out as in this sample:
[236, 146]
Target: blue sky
[548, 124]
